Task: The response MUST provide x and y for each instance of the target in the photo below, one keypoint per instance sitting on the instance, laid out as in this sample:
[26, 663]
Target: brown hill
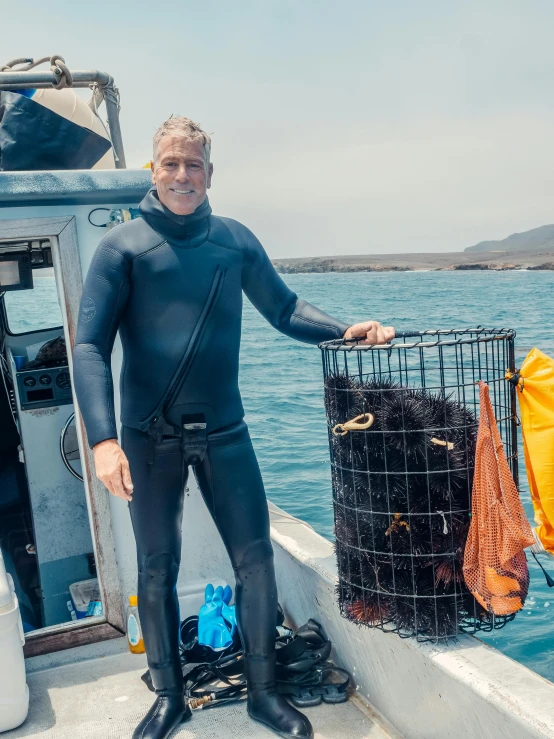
[534, 240]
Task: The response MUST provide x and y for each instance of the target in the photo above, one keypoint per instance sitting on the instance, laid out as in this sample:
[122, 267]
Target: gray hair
[187, 129]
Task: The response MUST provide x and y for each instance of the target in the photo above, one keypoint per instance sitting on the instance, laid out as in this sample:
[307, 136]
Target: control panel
[43, 388]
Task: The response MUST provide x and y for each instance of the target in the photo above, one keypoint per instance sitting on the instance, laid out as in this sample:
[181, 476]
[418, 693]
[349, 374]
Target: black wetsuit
[173, 287]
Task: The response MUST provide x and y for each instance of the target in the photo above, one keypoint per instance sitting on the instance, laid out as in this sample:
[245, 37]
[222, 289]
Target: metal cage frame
[390, 566]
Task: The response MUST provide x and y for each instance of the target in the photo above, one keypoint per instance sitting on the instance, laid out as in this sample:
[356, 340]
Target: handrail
[15, 80]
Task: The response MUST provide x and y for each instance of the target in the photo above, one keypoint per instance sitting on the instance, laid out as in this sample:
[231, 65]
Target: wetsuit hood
[189, 230]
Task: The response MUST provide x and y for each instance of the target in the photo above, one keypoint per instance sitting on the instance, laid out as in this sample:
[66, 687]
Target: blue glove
[216, 618]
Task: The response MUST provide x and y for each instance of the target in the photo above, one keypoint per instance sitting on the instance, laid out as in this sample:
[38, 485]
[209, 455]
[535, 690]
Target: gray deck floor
[104, 698]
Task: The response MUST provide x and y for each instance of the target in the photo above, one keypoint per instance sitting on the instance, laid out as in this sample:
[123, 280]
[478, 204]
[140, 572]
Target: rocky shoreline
[446, 262]
[498, 267]
[328, 266]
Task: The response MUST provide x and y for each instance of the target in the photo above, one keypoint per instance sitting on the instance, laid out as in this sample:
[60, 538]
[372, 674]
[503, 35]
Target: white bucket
[14, 693]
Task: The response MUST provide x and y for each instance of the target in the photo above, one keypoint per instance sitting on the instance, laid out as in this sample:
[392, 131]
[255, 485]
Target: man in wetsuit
[172, 283]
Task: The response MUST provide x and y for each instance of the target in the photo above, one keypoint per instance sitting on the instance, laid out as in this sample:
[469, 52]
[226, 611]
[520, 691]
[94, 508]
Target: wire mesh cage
[403, 422]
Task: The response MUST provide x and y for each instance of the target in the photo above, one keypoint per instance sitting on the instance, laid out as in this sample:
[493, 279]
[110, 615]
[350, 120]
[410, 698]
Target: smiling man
[181, 173]
[172, 283]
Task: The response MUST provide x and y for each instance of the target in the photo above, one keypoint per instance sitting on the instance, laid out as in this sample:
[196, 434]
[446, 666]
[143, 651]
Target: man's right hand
[112, 468]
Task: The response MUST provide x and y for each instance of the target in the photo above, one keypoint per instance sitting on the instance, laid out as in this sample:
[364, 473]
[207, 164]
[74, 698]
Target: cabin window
[37, 309]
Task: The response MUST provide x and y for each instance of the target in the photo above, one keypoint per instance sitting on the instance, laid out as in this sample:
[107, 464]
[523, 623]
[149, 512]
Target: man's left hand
[370, 332]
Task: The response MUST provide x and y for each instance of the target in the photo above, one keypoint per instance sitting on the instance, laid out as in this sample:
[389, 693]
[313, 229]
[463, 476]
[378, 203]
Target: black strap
[308, 638]
[549, 580]
[156, 432]
[194, 438]
[193, 434]
[314, 682]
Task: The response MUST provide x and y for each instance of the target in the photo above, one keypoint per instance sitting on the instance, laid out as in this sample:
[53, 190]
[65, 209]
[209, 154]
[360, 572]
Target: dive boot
[165, 715]
[264, 704]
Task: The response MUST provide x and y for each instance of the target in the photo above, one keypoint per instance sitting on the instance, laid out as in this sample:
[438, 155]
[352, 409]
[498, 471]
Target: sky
[358, 127]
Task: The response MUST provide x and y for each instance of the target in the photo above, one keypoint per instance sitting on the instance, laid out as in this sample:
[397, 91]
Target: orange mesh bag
[495, 567]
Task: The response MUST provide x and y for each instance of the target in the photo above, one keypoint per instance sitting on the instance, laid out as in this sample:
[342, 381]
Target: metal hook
[355, 424]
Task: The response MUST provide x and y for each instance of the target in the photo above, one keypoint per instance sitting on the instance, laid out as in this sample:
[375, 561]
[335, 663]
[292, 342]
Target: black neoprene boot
[165, 715]
[264, 704]
[170, 708]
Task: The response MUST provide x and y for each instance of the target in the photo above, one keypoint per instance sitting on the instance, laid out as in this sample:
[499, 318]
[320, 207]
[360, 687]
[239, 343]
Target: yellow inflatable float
[535, 383]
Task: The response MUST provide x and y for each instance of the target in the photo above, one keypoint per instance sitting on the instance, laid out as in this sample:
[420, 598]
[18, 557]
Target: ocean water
[281, 384]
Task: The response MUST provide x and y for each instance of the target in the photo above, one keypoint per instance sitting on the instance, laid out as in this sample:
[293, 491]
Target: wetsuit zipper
[188, 357]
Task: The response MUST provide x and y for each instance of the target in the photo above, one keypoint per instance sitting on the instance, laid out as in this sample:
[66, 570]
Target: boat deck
[104, 697]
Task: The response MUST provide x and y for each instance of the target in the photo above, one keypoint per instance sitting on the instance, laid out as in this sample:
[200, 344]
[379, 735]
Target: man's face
[180, 174]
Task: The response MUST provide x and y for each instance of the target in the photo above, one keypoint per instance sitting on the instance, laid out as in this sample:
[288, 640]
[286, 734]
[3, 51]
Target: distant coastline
[449, 261]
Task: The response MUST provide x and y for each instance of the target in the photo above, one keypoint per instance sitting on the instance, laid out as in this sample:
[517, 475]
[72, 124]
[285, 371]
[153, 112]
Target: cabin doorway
[48, 492]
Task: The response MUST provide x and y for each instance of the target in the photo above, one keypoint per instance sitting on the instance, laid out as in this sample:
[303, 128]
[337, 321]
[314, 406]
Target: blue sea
[281, 383]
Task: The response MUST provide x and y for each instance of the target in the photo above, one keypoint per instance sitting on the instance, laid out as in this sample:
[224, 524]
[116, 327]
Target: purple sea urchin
[402, 497]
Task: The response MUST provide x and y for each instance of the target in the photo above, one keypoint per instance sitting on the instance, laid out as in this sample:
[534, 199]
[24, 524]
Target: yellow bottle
[134, 632]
